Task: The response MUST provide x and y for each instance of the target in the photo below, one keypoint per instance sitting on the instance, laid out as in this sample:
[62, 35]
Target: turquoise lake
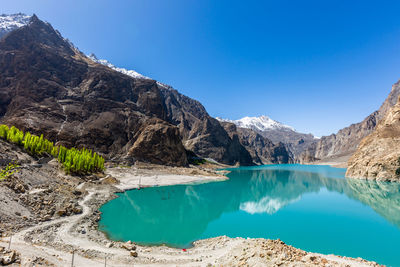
[309, 207]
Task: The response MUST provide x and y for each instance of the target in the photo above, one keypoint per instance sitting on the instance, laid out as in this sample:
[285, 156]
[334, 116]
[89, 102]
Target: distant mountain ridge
[262, 123]
[277, 132]
[378, 154]
[104, 62]
[340, 146]
[78, 100]
[9, 23]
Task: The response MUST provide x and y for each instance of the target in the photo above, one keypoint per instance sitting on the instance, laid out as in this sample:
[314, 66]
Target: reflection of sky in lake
[310, 207]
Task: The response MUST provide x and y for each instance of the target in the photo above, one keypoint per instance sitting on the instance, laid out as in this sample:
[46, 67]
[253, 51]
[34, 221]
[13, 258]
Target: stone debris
[129, 246]
[8, 257]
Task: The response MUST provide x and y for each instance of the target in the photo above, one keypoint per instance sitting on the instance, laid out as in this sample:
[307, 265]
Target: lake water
[309, 207]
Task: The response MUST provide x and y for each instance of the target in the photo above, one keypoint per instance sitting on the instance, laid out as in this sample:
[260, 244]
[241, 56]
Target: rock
[105, 108]
[309, 257]
[295, 142]
[77, 192]
[128, 246]
[19, 188]
[160, 142]
[345, 142]
[71, 98]
[261, 149]
[134, 254]
[378, 155]
[77, 210]
[61, 212]
[109, 245]
[8, 258]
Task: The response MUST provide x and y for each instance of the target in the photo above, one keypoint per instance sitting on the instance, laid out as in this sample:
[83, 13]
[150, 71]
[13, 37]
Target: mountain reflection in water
[296, 203]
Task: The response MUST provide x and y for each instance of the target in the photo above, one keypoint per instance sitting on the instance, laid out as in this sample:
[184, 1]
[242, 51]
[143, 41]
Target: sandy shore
[51, 243]
[132, 179]
[337, 162]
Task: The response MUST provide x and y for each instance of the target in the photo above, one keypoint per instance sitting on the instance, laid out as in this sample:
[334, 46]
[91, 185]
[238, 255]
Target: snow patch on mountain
[11, 22]
[262, 123]
[130, 73]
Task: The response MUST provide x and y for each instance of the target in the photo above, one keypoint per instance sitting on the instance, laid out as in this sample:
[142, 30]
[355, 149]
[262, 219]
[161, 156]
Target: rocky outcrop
[276, 132]
[261, 149]
[159, 143]
[341, 144]
[295, 142]
[48, 86]
[201, 133]
[378, 155]
[344, 143]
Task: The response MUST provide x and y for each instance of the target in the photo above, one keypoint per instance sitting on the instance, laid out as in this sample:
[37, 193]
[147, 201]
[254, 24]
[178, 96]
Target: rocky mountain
[378, 155]
[104, 62]
[340, 146]
[276, 132]
[48, 86]
[261, 149]
[9, 23]
[260, 124]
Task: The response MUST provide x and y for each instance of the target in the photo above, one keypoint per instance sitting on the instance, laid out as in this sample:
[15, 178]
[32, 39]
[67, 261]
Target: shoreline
[53, 241]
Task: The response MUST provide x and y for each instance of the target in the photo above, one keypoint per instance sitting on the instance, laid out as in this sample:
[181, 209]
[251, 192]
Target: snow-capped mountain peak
[262, 123]
[11, 22]
[104, 62]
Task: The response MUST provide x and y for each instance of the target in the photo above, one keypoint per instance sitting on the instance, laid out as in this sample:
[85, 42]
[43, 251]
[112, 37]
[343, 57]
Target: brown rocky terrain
[261, 149]
[296, 143]
[378, 155]
[48, 86]
[49, 215]
[200, 132]
[38, 192]
[344, 143]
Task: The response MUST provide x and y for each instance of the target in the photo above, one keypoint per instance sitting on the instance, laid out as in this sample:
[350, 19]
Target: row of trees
[78, 161]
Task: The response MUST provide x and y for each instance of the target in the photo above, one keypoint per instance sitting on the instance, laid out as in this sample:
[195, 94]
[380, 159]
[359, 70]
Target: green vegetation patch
[9, 170]
[77, 161]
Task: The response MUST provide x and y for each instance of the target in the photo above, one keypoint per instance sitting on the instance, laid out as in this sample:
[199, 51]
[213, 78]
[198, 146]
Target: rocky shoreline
[62, 214]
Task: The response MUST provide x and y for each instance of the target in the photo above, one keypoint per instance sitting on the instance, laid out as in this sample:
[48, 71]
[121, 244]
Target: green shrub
[78, 161]
[9, 170]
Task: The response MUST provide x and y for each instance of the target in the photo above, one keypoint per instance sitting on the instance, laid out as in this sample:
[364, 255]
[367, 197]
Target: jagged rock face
[378, 155]
[262, 150]
[201, 133]
[161, 142]
[49, 87]
[344, 143]
[296, 142]
[276, 132]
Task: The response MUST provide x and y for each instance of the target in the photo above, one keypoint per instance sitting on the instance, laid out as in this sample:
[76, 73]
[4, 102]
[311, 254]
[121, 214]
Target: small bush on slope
[78, 161]
[9, 170]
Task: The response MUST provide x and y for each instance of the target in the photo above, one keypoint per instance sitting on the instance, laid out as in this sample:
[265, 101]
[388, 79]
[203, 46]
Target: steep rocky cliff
[344, 143]
[201, 133]
[276, 132]
[48, 86]
[261, 149]
[378, 155]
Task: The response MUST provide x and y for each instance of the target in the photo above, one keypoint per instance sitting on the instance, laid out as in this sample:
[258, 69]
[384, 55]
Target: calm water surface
[310, 207]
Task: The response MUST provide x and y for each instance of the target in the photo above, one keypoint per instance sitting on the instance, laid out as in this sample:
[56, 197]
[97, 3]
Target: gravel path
[53, 241]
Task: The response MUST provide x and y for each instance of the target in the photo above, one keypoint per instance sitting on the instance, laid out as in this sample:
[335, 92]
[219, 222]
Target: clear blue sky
[315, 65]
